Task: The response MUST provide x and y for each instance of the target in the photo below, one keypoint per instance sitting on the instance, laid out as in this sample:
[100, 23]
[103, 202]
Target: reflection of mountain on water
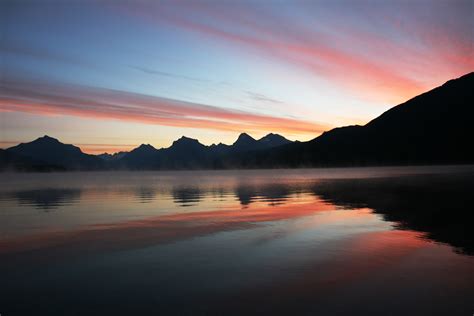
[52, 198]
[145, 194]
[276, 193]
[187, 196]
[440, 206]
[47, 199]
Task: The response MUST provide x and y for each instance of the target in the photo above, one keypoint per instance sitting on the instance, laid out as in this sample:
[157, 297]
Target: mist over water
[311, 241]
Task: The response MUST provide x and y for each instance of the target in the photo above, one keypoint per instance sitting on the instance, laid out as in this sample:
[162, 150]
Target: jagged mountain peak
[47, 137]
[185, 142]
[185, 139]
[244, 139]
[49, 150]
[272, 136]
[273, 140]
[245, 136]
[145, 147]
[46, 140]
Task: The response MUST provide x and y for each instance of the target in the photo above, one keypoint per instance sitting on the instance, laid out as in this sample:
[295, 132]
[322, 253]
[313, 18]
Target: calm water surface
[391, 241]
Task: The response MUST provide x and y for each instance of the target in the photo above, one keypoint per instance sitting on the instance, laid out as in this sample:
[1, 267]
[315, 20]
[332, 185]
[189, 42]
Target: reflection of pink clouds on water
[371, 251]
[179, 226]
[307, 214]
[166, 228]
[381, 264]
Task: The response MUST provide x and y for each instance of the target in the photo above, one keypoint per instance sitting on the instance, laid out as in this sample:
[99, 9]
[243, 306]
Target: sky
[110, 75]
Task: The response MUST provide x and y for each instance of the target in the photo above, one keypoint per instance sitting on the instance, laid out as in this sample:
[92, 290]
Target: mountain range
[433, 128]
[48, 153]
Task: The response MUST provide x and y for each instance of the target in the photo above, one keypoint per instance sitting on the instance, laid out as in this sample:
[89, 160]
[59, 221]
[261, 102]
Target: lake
[354, 241]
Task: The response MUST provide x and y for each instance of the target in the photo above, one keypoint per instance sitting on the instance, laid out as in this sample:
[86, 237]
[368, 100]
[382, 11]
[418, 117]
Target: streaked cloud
[385, 52]
[98, 103]
[167, 74]
[261, 97]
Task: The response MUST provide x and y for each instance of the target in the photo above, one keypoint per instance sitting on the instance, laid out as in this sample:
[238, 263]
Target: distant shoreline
[247, 170]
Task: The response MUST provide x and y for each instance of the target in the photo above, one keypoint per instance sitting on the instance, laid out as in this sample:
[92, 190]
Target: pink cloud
[389, 65]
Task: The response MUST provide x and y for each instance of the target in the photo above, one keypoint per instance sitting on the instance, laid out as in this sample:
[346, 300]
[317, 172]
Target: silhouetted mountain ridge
[50, 151]
[189, 153]
[114, 156]
[432, 128]
[245, 142]
[273, 140]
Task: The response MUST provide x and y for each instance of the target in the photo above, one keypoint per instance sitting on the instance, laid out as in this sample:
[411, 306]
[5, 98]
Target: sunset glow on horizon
[108, 76]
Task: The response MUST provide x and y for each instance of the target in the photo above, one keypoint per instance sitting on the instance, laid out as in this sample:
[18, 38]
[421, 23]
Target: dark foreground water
[365, 241]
